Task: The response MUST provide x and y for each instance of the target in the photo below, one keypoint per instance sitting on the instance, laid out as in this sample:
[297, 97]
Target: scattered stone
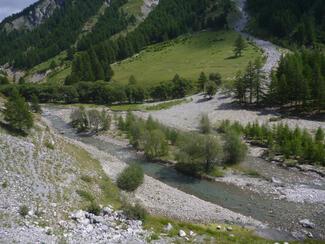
[182, 233]
[306, 223]
[89, 228]
[229, 228]
[192, 233]
[168, 227]
[231, 235]
[218, 227]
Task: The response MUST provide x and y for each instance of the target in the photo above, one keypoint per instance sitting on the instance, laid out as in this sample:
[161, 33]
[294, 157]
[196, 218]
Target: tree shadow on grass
[12, 131]
[232, 57]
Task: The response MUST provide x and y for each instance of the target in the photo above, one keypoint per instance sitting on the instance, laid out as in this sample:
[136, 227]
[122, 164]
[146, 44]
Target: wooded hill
[290, 22]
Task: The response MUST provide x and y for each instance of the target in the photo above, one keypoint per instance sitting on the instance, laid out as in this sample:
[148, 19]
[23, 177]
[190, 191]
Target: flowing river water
[281, 215]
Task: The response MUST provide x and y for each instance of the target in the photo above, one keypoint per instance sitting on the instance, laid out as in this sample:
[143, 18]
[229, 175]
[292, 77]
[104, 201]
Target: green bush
[135, 212]
[93, 208]
[130, 178]
[235, 150]
[23, 210]
[205, 125]
[155, 144]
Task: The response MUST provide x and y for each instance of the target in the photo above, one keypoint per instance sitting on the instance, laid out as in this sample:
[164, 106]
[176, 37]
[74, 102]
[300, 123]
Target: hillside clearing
[187, 56]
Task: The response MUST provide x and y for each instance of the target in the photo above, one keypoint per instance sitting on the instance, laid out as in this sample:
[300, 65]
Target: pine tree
[239, 46]
[17, 113]
[35, 107]
[202, 81]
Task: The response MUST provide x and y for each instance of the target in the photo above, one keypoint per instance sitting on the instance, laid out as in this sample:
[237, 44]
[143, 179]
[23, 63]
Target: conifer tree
[239, 46]
[17, 113]
[35, 107]
[202, 81]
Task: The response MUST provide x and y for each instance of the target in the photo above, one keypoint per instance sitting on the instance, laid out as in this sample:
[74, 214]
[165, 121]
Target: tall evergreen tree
[239, 46]
[17, 113]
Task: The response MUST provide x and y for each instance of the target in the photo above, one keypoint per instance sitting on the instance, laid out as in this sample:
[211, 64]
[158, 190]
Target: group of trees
[249, 86]
[300, 81]
[101, 92]
[195, 153]
[87, 67]
[90, 120]
[299, 22]
[280, 139]
[209, 85]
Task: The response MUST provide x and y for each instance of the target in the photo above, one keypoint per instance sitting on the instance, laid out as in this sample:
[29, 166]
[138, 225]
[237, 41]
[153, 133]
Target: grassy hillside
[188, 56]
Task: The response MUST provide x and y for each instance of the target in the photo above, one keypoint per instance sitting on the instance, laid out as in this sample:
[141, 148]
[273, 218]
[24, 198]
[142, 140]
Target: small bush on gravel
[135, 212]
[4, 184]
[130, 178]
[23, 210]
[93, 208]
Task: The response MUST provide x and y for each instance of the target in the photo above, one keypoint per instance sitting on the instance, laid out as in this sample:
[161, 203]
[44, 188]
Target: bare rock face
[41, 11]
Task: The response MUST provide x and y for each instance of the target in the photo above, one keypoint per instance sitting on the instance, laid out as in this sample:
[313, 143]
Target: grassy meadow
[187, 56]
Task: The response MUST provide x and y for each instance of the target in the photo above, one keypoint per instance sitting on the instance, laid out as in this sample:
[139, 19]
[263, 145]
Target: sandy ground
[221, 107]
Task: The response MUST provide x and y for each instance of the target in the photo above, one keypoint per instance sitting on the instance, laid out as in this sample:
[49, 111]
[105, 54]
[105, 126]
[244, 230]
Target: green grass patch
[187, 56]
[42, 67]
[127, 107]
[101, 189]
[241, 235]
[58, 77]
[148, 107]
[133, 7]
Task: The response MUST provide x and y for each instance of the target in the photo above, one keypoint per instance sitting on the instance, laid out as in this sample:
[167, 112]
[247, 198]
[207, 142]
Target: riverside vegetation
[296, 144]
[194, 153]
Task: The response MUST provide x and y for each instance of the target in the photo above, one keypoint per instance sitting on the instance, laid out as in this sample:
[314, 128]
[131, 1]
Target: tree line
[296, 143]
[298, 82]
[101, 92]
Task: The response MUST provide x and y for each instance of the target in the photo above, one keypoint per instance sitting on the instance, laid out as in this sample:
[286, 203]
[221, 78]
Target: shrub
[93, 208]
[205, 125]
[130, 178]
[135, 212]
[4, 184]
[235, 150]
[23, 210]
[198, 153]
[156, 144]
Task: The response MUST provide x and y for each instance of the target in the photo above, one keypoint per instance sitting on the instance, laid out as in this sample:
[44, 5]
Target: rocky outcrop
[36, 15]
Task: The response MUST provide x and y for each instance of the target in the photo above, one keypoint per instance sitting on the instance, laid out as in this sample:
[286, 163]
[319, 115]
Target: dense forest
[291, 22]
[298, 82]
[170, 19]
[25, 49]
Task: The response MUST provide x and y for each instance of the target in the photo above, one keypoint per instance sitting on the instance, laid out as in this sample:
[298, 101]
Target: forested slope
[290, 22]
[25, 49]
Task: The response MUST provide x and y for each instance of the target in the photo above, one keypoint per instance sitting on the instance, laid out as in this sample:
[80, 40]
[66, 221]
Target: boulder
[79, 214]
[229, 228]
[306, 223]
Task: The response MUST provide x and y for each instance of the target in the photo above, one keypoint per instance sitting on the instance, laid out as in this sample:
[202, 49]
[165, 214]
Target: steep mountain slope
[32, 16]
[25, 49]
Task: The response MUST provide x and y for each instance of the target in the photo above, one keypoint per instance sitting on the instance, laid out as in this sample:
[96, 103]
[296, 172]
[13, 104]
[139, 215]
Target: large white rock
[182, 233]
